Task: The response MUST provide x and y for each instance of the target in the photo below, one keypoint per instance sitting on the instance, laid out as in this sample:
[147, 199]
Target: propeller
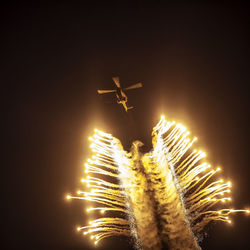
[105, 91]
[117, 81]
[134, 86]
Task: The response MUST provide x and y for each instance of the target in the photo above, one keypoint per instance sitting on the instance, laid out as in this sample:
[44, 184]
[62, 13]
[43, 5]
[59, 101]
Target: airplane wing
[117, 81]
[135, 86]
[105, 91]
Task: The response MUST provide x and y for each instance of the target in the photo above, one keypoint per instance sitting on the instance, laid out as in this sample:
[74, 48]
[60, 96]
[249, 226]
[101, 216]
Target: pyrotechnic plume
[162, 198]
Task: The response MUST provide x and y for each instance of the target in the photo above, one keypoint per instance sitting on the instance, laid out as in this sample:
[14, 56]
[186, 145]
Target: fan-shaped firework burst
[163, 198]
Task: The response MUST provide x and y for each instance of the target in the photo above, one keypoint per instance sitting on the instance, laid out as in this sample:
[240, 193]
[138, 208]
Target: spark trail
[162, 198]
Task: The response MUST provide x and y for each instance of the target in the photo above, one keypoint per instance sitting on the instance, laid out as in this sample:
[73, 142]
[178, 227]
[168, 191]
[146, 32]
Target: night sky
[193, 60]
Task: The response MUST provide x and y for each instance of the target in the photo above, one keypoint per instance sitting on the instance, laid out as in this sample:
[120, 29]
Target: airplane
[119, 92]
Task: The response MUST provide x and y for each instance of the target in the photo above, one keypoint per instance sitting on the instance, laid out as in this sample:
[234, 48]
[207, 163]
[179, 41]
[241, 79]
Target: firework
[162, 198]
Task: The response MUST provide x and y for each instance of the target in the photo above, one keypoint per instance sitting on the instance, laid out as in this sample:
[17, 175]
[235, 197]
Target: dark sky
[193, 60]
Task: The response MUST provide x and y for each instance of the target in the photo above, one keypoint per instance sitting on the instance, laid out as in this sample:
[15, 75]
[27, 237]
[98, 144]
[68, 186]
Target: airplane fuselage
[121, 96]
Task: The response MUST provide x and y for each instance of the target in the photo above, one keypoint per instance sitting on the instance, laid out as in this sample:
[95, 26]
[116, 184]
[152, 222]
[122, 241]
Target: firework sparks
[164, 197]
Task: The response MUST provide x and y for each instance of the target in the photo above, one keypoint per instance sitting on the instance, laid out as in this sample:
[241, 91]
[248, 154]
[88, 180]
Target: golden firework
[164, 197]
